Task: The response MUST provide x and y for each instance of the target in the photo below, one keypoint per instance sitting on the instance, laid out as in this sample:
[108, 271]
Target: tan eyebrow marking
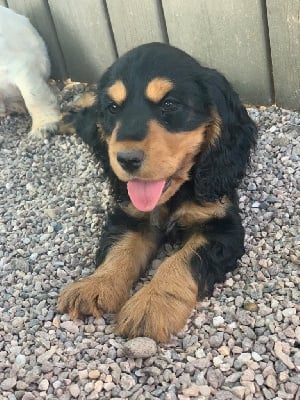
[158, 88]
[117, 92]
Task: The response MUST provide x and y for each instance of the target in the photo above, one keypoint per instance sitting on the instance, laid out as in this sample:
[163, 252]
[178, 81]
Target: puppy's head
[155, 117]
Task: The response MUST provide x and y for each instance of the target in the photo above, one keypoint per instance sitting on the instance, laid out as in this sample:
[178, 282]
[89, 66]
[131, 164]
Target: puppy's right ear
[81, 120]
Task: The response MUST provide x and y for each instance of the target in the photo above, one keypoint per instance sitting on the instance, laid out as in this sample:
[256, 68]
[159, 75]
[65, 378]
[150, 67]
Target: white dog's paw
[43, 132]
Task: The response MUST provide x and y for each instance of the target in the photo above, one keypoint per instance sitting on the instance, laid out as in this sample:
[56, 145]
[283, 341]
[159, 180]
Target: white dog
[24, 69]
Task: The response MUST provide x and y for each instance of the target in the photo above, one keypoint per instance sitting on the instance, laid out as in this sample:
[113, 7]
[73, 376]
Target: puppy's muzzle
[132, 160]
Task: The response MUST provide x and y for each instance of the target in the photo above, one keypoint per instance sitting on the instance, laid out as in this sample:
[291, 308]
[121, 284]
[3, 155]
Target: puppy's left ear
[221, 166]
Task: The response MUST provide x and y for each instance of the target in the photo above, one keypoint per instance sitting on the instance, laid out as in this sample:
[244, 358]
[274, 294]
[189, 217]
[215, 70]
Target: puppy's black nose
[130, 160]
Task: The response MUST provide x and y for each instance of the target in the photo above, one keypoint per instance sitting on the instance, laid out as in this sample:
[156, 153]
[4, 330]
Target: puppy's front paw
[154, 314]
[91, 296]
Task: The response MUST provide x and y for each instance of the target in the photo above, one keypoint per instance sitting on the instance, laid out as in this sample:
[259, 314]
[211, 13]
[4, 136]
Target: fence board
[135, 22]
[84, 36]
[226, 35]
[39, 14]
[284, 30]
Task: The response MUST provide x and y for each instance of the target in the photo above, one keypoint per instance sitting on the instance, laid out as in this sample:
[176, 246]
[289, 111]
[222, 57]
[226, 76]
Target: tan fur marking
[190, 213]
[163, 306]
[117, 92]
[107, 289]
[158, 88]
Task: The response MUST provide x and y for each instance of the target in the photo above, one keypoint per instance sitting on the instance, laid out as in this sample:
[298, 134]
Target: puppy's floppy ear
[219, 169]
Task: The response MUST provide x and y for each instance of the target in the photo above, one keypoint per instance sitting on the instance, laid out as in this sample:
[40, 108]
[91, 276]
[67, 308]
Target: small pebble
[218, 321]
[283, 356]
[70, 326]
[140, 347]
[20, 360]
[193, 391]
[239, 391]
[204, 390]
[271, 382]
[44, 385]
[74, 390]
[216, 340]
[215, 378]
[8, 384]
[256, 356]
[127, 382]
[250, 307]
[283, 376]
[224, 350]
[248, 375]
[94, 374]
[289, 312]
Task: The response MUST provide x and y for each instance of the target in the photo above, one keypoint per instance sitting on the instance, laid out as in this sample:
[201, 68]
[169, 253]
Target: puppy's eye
[113, 108]
[169, 105]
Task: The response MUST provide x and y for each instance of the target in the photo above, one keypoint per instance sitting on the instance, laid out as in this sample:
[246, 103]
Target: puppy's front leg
[126, 255]
[163, 306]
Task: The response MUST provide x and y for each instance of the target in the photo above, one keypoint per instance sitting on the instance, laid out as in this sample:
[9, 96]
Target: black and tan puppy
[174, 140]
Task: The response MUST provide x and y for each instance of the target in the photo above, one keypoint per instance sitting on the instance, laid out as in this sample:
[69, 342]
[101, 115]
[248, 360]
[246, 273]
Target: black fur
[218, 169]
[225, 246]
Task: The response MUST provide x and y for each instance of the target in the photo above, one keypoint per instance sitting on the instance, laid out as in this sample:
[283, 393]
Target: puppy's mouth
[145, 194]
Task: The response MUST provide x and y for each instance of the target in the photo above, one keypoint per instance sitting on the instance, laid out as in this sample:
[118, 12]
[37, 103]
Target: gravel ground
[243, 343]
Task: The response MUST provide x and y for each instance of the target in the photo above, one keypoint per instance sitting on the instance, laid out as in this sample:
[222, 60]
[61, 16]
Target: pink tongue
[145, 194]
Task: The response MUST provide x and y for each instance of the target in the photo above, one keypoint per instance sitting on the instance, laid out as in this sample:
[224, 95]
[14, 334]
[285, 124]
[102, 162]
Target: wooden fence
[255, 43]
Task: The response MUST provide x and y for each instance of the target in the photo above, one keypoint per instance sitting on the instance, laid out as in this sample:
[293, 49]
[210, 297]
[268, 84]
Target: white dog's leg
[41, 104]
